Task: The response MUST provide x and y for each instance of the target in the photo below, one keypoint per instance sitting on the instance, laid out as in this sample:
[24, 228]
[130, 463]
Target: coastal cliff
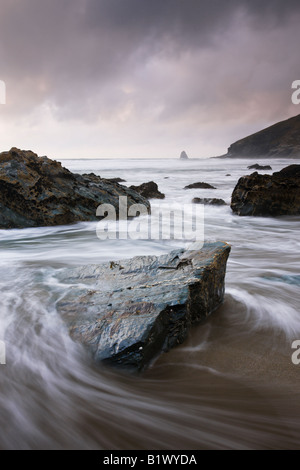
[281, 140]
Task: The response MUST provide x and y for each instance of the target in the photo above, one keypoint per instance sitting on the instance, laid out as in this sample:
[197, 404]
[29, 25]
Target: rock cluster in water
[37, 191]
[148, 190]
[256, 166]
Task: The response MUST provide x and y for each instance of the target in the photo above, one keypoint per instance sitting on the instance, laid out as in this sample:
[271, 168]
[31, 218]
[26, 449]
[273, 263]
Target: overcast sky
[144, 78]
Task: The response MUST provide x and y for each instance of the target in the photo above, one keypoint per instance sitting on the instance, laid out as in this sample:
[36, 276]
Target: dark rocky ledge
[37, 191]
[126, 313]
[268, 195]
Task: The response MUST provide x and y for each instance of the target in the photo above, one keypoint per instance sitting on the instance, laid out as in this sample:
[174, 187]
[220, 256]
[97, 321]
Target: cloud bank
[144, 78]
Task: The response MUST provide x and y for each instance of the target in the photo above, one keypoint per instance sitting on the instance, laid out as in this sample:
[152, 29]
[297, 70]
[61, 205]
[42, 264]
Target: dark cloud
[159, 62]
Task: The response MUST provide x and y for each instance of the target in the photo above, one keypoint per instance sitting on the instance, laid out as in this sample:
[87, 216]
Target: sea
[233, 384]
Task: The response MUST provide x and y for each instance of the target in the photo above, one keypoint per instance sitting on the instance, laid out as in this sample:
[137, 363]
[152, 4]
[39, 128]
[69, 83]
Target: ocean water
[231, 385]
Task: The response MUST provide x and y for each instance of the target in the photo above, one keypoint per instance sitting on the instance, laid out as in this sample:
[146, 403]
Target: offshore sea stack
[36, 191]
[183, 155]
[126, 313]
[268, 195]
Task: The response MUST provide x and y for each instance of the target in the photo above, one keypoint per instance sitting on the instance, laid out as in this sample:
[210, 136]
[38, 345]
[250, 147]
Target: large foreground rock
[127, 312]
[37, 191]
[268, 195]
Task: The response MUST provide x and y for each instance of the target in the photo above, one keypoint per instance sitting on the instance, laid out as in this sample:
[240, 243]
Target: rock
[259, 167]
[280, 140]
[36, 191]
[268, 195]
[183, 156]
[199, 186]
[126, 313]
[148, 190]
[210, 201]
[228, 174]
[115, 180]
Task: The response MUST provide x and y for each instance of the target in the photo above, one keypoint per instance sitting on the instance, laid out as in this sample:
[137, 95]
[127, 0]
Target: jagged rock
[37, 191]
[268, 195]
[280, 140]
[148, 190]
[210, 201]
[256, 166]
[126, 313]
[183, 156]
[199, 186]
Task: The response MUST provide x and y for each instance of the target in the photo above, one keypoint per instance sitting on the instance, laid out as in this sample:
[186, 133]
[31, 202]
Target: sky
[144, 78]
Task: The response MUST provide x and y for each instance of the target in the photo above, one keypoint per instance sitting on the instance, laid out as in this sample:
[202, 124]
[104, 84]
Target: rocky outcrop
[210, 201]
[268, 195]
[278, 141]
[256, 166]
[37, 191]
[126, 313]
[199, 186]
[148, 190]
[183, 156]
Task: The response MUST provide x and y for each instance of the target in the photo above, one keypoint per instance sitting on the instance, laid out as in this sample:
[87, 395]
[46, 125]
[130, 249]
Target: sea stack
[183, 156]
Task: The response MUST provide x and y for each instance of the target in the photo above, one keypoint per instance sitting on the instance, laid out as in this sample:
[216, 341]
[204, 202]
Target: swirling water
[231, 385]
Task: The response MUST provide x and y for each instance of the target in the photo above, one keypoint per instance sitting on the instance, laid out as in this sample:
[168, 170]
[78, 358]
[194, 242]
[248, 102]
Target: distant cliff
[281, 140]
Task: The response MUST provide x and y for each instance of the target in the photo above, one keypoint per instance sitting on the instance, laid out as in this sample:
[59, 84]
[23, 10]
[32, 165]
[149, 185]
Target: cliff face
[281, 140]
